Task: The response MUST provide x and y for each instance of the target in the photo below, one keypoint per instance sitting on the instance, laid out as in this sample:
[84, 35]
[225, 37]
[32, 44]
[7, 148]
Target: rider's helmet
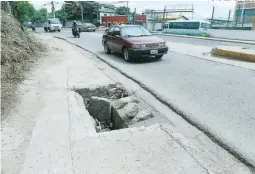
[74, 21]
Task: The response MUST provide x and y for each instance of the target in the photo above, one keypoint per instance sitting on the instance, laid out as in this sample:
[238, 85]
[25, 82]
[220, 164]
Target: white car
[52, 25]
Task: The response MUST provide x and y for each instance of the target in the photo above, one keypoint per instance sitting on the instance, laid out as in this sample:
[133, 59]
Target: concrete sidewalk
[204, 52]
[50, 131]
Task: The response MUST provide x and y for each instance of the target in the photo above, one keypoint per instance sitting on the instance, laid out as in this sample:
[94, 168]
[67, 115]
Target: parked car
[86, 27]
[133, 41]
[52, 25]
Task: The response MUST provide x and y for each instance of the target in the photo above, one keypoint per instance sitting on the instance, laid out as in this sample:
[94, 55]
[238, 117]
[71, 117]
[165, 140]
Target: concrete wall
[233, 34]
[152, 26]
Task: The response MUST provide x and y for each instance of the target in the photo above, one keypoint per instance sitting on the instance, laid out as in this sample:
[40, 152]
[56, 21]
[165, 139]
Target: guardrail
[208, 38]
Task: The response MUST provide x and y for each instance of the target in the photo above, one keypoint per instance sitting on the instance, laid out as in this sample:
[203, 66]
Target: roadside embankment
[244, 54]
[18, 49]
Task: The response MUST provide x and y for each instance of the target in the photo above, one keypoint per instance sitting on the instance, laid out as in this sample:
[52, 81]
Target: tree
[22, 10]
[71, 8]
[40, 15]
[122, 10]
[90, 9]
[61, 14]
[75, 9]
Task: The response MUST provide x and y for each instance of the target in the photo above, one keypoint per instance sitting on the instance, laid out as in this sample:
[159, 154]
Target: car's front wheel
[126, 55]
[106, 48]
[159, 57]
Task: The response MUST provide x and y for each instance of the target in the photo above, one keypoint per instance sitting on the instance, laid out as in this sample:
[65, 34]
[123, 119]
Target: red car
[133, 41]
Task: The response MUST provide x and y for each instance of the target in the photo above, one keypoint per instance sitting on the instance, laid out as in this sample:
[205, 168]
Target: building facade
[121, 19]
[105, 12]
[248, 12]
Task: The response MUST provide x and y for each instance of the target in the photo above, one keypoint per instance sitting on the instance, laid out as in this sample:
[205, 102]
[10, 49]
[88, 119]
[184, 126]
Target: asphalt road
[212, 43]
[218, 97]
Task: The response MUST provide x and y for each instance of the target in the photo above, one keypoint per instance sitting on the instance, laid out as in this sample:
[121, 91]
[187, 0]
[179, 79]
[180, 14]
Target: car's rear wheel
[126, 55]
[106, 48]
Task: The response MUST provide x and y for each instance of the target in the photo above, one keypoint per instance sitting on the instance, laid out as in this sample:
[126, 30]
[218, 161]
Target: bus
[189, 27]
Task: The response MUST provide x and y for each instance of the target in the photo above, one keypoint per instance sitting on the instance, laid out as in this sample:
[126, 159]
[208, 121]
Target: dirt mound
[17, 49]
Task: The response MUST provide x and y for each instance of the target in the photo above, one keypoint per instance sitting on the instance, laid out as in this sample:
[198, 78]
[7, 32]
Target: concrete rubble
[59, 136]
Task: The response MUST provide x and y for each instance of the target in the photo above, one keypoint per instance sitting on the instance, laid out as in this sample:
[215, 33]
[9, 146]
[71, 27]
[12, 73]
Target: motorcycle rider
[74, 26]
[33, 26]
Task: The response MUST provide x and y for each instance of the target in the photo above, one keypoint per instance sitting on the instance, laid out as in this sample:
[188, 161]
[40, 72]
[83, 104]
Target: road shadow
[119, 58]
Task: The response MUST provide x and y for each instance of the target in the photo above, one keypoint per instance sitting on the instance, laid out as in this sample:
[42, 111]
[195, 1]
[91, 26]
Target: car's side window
[110, 32]
[116, 31]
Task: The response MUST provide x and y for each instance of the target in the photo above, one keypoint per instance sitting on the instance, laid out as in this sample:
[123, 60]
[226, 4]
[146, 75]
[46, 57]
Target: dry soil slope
[17, 50]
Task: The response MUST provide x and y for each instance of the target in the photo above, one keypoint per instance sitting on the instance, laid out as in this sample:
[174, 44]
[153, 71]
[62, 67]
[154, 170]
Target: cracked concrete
[56, 135]
[136, 150]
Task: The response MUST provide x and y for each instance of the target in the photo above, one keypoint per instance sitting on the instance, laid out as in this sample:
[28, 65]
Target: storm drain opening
[112, 107]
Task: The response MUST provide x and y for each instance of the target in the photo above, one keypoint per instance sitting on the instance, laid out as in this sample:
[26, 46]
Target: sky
[203, 8]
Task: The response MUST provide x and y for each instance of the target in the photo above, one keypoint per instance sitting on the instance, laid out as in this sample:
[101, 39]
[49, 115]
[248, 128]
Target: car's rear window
[54, 21]
[134, 31]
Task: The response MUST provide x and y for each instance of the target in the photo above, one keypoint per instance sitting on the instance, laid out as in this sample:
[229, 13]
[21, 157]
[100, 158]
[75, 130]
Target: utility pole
[163, 17]
[164, 13]
[53, 9]
[81, 12]
[212, 16]
[134, 16]
[127, 14]
[243, 12]
[192, 11]
[228, 17]
[237, 15]
[243, 19]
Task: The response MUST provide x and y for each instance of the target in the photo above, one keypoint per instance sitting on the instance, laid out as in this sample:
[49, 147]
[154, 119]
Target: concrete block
[122, 102]
[100, 108]
[144, 115]
[119, 118]
[131, 109]
[235, 53]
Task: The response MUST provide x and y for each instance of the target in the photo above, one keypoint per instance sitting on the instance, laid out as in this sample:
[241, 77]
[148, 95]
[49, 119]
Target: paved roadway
[219, 97]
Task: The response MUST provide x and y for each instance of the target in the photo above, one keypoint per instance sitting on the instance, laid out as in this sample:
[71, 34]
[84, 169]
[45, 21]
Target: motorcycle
[76, 32]
[33, 28]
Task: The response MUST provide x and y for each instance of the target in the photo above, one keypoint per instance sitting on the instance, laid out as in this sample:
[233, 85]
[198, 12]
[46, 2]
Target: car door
[109, 38]
[117, 40]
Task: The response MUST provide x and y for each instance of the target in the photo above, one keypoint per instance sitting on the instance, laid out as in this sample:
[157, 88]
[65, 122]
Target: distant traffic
[190, 27]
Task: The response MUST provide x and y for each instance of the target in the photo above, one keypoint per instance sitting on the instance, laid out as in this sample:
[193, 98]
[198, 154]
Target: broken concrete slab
[144, 115]
[131, 109]
[100, 108]
[122, 102]
[119, 118]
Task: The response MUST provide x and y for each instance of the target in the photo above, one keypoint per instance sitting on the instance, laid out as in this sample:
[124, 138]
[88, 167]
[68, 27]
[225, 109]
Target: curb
[175, 109]
[233, 54]
[210, 38]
